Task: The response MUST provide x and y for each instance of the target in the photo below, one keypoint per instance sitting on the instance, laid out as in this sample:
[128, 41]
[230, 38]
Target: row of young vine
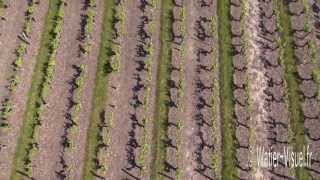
[14, 79]
[40, 88]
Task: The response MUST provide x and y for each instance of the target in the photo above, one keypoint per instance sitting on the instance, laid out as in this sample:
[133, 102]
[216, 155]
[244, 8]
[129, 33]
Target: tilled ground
[11, 23]
[54, 133]
[277, 121]
[19, 98]
[307, 61]
[261, 116]
[274, 114]
[173, 135]
[313, 135]
[269, 121]
[117, 154]
[132, 101]
[197, 141]
[240, 91]
[53, 118]
[257, 82]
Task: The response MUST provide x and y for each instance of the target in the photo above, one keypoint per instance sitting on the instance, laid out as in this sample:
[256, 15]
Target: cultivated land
[157, 89]
[9, 136]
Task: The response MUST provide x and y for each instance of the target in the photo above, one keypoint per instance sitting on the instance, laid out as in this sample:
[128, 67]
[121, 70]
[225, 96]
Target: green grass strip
[1, 4]
[226, 87]
[28, 131]
[100, 91]
[163, 75]
[89, 24]
[294, 98]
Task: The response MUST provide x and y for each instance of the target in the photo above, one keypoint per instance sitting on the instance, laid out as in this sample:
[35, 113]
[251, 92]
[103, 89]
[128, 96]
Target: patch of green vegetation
[41, 79]
[181, 90]
[226, 88]
[118, 19]
[5, 113]
[163, 75]
[312, 45]
[145, 147]
[76, 108]
[294, 99]
[27, 27]
[316, 72]
[89, 24]
[216, 155]
[100, 92]
[2, 4]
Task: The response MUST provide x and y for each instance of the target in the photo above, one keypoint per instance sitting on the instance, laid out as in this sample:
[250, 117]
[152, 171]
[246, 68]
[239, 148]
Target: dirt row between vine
[311, 124]
[127, 90]
[307, 60]
[275, 101]
[173, 141]
[260, 102]
[260, 99]
[198, 123]
[11, 23]
[47, 162]
[257, 85]
[21, 93]
[241, 60]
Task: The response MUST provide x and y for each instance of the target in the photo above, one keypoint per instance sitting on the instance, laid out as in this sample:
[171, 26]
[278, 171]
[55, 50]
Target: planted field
[159, 89]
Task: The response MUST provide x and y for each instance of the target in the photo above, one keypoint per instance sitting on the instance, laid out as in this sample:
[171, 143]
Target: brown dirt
[122, 97]
[240, 77]
[9, 31]
[188, 140]
[310, 89]
[258, 83]
[197, 135]
[78, 156]
[277, 116]
[173, 155]
[53, 117]
[268, 111]
[21, 94]
[123, 82]
[20, 97]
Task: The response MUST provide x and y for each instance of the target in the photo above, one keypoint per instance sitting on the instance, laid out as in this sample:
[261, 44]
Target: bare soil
[257, 86]
[21, 94]
[261, 120]
[120, 97]
[47, 162]
[197, 141]
[310, 89]
[10, 28]
[122, 154]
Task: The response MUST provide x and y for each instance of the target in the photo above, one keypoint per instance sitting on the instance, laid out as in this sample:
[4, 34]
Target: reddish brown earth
[21, 94]
[123, 83]
[46, 160]
[54, 115]
[10, 28]
[123, 153]
[276, 119]
[241, 75]
[257, 84]
[197, 141]
[77, 158]
[308, 85]
[174, 154]
[260, 120]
